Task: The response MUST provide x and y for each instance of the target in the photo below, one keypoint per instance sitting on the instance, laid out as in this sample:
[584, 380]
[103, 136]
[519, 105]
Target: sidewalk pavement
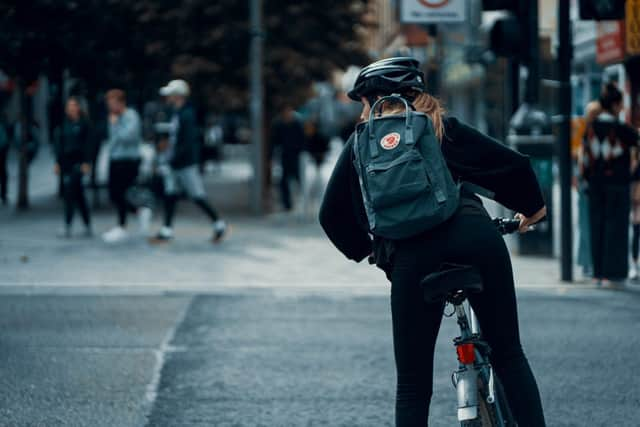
[280, 251]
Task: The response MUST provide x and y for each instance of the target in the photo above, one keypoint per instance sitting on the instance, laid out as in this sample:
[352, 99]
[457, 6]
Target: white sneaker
[116, 234]
[144, 219]
[220, 231]
[64, 233]
[164, 236]
[633, 274]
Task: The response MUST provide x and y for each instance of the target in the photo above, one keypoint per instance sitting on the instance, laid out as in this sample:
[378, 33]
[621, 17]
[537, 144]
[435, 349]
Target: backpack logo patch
[390, 141]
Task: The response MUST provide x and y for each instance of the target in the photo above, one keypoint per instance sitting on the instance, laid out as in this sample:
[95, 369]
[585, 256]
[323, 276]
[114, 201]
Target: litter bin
[540, 150]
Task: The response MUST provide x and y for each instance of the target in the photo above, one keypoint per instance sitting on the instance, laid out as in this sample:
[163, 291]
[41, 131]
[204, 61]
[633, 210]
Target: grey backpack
[405, 183]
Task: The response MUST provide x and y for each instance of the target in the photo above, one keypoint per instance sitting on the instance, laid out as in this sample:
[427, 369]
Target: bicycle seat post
[457, 299]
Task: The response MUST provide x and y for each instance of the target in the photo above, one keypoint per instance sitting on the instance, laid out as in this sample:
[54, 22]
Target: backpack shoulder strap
[408, 114]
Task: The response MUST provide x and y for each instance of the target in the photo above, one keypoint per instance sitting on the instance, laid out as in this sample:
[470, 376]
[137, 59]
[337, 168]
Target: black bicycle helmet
[390, 75]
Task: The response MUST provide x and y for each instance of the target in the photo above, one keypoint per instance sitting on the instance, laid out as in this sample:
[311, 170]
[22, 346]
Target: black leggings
[471, 240]
[609, 206]
[4, 152]
[635, 242]
[73, 193]
[290, 172]
[122, 176]
[170, 209]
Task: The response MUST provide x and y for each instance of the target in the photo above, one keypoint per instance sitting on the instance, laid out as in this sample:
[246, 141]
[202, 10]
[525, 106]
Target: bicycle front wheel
[488, 415]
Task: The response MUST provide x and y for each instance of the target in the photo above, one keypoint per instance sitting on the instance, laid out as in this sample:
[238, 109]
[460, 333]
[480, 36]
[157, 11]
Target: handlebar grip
[511, 226]
[506, 225]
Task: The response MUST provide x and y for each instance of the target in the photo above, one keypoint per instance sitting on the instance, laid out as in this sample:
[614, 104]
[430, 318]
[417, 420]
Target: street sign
[610, 42]
[433, 11]
[632, 27]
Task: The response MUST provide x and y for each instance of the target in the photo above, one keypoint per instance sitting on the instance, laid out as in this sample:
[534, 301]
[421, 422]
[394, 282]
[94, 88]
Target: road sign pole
[256, 107]
[564, 139]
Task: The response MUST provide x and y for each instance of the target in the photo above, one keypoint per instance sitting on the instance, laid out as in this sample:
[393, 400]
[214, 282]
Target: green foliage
[207, 43]
[94, 39]
[138, 44]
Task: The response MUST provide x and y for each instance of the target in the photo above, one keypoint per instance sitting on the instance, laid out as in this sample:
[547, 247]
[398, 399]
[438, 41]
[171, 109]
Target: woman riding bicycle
[468, 237]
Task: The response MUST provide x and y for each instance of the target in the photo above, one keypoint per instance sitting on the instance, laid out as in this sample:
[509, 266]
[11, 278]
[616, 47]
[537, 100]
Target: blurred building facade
[481, 93]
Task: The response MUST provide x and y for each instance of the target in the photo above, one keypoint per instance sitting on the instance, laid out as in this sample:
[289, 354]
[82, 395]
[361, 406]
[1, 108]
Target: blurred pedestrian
[179, 161]
[124, 139]
[73, 157]
[214, 139]
[635, 215]
[607, 170]
[317, 144]
[317, 147]
[287, 134]
[584, 226]
[4, 152]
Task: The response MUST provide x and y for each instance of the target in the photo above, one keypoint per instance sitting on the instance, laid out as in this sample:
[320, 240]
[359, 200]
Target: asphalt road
[286, 359]
[81, 360]
[321, 361]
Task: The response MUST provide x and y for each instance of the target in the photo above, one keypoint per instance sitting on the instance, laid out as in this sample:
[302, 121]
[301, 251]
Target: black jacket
[470, 155]
[607, 150]
[73, 145]
[186, 151]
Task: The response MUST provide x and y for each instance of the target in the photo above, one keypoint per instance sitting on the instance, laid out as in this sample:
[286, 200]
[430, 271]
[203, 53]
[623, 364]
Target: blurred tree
[95, 40]
[206, 43]
[138, 44]
[23, 54]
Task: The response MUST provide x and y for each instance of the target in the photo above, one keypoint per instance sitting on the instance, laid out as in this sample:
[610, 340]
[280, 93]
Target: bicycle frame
[473, 365]
[466, 377]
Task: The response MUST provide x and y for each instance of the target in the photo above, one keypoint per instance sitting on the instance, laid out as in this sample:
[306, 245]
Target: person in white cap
[179, 163]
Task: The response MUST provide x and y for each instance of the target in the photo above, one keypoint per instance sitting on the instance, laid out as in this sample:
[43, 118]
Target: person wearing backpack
[395, 196]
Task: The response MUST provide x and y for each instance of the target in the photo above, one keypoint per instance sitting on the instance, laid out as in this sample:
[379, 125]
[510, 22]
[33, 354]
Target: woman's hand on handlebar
[526, 222]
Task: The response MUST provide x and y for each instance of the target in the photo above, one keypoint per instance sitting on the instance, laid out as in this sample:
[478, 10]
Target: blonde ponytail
[424, 103]
[430, 105]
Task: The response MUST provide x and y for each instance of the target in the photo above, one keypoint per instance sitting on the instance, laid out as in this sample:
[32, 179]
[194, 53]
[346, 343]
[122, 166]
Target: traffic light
[507, 35]
[601, 10]
[499, 4]
[514, 34]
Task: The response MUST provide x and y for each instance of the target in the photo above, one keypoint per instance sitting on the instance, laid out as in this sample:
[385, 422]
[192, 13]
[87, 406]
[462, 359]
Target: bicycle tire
[487, 414]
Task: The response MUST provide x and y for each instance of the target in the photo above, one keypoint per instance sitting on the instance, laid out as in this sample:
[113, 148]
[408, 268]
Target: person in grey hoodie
[125, 136]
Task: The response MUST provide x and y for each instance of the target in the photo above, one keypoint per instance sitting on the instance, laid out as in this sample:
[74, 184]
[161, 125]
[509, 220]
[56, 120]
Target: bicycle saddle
[449, 279]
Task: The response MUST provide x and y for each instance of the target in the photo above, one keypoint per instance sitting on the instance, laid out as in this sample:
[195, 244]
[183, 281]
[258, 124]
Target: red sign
[434, 3]
[610, 43]
[415, 35]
